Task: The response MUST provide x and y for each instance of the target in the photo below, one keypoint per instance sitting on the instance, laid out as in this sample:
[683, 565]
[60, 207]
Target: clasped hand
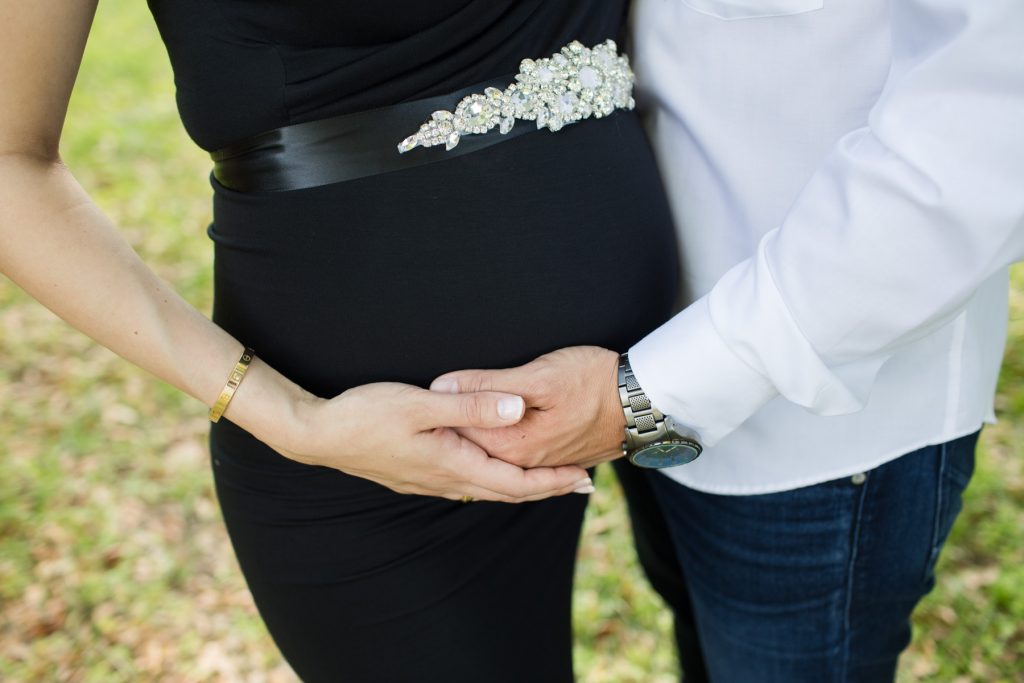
[406, 438]
[509, 435]
[573, 414]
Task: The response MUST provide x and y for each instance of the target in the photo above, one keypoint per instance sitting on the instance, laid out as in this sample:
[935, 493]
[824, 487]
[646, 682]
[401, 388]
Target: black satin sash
[348, 146]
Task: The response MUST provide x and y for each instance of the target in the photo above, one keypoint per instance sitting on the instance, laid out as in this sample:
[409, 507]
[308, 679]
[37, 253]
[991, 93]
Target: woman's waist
[523, 229]
[487, 259]
[600, 173]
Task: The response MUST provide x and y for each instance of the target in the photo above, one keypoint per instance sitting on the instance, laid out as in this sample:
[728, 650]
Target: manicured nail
[445, 385]
[583, 482]
[585, 489]
[510, 408]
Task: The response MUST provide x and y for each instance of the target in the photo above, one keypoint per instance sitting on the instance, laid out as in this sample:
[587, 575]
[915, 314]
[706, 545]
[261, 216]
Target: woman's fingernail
[583, 482]
[585, 489]
[510, 408]
[445, 385]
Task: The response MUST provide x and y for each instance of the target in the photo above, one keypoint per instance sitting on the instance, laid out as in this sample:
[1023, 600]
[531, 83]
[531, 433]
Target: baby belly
[484, 260]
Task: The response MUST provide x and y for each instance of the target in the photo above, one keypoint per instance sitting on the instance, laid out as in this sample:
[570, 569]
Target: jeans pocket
[959, 462]
[730, 10]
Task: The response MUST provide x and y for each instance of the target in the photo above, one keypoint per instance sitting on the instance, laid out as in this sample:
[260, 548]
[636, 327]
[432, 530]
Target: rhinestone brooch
[573, 84]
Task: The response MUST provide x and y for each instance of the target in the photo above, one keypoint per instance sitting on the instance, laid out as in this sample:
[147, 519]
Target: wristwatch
[653, 439]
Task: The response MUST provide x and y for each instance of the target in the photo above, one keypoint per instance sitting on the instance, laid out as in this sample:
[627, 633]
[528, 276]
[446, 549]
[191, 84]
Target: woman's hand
[402, 437]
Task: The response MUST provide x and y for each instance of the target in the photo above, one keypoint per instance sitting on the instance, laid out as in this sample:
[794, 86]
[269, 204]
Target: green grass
[114, 564]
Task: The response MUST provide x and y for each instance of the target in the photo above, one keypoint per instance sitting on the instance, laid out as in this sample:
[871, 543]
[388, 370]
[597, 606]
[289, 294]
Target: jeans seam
[937, 518]
[850, 577]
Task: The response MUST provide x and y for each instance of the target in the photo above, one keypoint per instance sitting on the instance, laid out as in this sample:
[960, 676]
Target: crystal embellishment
[573, 84]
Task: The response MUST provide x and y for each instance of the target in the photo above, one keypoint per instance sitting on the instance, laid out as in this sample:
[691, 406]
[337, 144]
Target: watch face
[668, 454]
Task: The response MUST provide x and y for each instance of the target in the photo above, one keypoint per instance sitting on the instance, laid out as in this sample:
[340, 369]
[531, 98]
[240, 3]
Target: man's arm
[903, 221]
[895, 231]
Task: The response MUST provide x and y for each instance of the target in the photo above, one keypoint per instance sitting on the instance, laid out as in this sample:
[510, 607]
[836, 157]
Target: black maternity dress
[488, 259]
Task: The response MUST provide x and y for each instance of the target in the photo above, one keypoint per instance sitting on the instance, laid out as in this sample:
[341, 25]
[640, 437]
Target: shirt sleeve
[904, 219]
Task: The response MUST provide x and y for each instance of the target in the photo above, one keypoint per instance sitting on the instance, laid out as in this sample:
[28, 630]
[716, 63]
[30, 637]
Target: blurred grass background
[114, 564]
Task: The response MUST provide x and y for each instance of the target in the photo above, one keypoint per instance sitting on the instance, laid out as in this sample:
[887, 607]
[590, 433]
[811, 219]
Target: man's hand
[573, 414]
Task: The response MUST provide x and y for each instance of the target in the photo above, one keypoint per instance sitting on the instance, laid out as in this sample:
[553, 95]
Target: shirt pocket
[753, 9]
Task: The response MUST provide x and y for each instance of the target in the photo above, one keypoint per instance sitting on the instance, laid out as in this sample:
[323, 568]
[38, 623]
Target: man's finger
[487, 409]
[515, 482]
[501, 442]
[503, 480]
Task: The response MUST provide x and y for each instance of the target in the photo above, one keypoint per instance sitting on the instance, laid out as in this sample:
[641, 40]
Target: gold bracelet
[234, 379]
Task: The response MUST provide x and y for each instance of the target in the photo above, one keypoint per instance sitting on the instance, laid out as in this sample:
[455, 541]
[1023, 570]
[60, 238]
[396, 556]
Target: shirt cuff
[688, 371]
[726, 355]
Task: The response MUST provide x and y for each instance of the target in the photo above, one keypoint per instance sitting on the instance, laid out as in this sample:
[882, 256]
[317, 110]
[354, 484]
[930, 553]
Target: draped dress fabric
[484, 260]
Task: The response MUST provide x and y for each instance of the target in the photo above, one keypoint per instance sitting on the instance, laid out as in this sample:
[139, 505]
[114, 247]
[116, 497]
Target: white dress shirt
[847, 178]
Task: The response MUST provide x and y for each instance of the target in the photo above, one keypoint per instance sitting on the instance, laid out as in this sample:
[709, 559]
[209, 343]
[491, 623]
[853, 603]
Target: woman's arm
[61, 249]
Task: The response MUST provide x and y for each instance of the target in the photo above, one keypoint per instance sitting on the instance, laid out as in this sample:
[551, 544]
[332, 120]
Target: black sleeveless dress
[488, 259]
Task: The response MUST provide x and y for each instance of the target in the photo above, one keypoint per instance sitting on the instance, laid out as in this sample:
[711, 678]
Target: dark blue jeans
[815, 584]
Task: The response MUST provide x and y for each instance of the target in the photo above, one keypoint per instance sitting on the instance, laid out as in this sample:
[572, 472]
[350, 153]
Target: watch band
[644, 422]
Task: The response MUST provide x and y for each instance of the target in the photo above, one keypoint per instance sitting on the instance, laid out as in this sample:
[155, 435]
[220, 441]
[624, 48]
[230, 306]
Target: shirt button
[859, 478]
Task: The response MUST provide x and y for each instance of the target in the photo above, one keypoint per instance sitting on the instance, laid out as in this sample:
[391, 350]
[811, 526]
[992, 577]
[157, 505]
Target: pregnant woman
[400, 190]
